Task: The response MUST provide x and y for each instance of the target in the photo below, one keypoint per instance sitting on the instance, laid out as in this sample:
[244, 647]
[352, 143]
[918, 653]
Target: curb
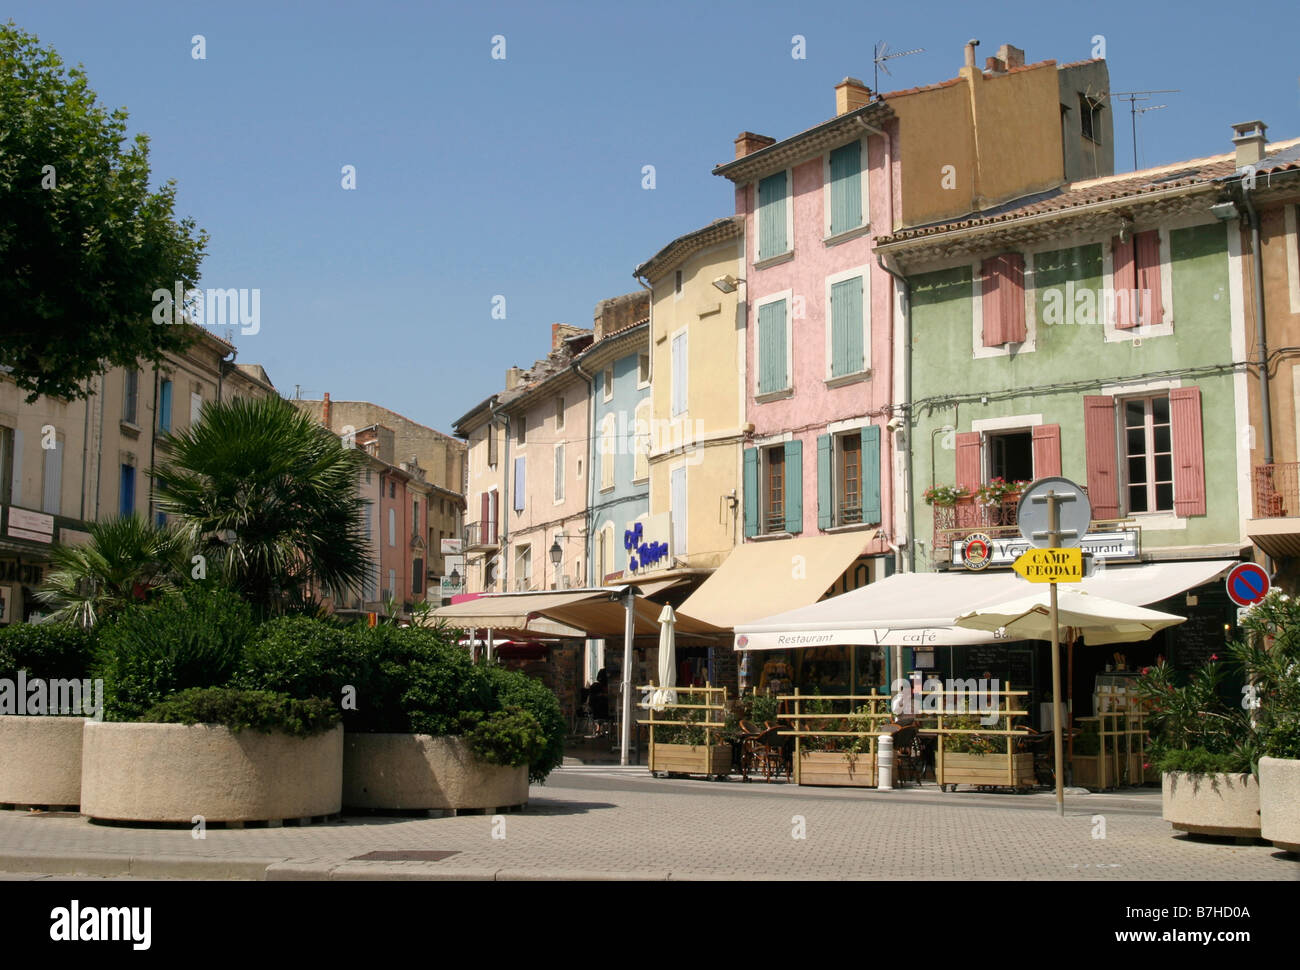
[143, 867]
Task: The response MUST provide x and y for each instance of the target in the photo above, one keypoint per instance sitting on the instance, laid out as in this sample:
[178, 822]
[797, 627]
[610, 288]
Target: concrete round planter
[173, 772]
[417, 771]
[1279, 802]
[40, 760]
[1219, 804]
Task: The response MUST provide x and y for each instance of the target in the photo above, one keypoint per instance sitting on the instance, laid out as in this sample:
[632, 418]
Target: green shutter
[846, 188]
[825, 489]
[751, 492]
[771, 347]
[794, 486]
[771, 216]
[871, 473]
[846, 327]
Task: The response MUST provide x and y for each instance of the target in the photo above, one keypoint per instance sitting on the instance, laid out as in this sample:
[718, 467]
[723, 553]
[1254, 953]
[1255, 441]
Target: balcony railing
[480, 534]
[1277, 490]
[952, 522]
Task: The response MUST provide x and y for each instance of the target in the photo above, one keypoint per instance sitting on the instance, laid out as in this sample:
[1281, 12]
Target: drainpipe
[504, 514]
[909, 506]
[1261, 340]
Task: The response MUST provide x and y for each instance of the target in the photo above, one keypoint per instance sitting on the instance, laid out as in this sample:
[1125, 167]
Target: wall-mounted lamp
[728, 283]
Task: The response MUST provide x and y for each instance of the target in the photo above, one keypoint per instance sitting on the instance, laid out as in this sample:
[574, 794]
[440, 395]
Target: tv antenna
[881, 55]
[1133, 97]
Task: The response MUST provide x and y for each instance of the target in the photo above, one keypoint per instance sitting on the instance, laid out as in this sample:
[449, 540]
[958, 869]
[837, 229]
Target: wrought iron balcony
[481, 535]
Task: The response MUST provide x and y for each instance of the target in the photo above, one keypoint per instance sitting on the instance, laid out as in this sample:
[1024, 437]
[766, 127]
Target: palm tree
[269, 498]
[127, 560]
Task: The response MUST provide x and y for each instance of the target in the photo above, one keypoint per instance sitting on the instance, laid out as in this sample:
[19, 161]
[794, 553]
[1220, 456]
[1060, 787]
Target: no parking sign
[1247, 584]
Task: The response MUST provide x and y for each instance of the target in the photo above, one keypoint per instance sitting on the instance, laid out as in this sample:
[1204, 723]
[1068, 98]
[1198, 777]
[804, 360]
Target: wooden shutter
[750, 489]
[1189, 451]
[559, 473]
[846, 188]
[771, 216]
[825, 484]
[990, 301]
[794, 486]
[519, 485]
[1047, 450]
[1011, 296]
[1147, 256]
[969, 473]
[16, 469]
[771, 347]
[870, 457]
[495, 513]
[165, 406]
[486, 517]
[196, 409]
[1101, 456]
[1124, 282]
[847, 355]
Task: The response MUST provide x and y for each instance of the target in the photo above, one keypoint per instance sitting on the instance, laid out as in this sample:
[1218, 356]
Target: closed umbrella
[667, 660]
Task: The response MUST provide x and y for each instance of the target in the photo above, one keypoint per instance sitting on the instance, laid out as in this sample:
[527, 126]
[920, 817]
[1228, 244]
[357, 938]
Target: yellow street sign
[1051, 565]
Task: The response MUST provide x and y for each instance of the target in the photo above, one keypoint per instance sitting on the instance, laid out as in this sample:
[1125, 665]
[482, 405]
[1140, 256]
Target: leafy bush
[256, 710]
[974, 743]
[194, 639]
[48, 650]
[1198, 761]
[511, 737]
[516, 689]
[306, 657]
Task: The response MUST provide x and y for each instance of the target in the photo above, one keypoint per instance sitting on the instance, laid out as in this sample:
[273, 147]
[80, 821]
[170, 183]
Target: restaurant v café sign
[1118, 545]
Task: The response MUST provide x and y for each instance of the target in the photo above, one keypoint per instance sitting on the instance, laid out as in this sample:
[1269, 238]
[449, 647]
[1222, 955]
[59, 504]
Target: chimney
[970, 53]
[1011, 57]
[994, 65]
[1248, 136]
[513, 376]
[851, 94]
[325, 412]
[747, 143]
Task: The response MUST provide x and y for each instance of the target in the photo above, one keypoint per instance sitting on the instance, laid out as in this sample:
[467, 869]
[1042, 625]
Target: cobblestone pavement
[611, 822]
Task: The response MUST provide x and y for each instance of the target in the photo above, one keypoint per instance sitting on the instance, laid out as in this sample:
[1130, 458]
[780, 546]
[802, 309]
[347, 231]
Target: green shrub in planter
[48, 650]
[510, 737]
[194, 639]
[239, 710]
[516, 689]
[308, 657]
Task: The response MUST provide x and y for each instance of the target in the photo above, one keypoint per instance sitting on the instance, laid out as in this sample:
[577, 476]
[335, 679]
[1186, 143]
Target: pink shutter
[1047, 450]
[1011, 289]
[1147, 257]
[990, 279]
[1189, 451]
[1124, 280]
[1102, 460]
[968, 460]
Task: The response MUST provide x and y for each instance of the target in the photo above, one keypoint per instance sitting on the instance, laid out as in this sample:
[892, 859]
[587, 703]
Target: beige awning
[596, 613]
[656, 586]
[760, 579]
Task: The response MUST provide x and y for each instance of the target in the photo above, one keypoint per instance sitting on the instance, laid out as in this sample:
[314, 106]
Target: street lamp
[556, 553]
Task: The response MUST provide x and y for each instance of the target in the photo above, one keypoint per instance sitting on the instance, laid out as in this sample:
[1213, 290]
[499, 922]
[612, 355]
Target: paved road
[611, 822]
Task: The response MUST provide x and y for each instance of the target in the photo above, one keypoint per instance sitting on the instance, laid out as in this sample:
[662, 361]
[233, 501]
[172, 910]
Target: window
[126, 494]
[392, 527]
[1002, 284]
[608, 446]
[846, 210]
[130, 395]
[369, 476]
[165, 406]
[417, 577]
[521, 430]
[677, 283]
[848, 329]
[1011, 456]
[774, 490]
[196, 408]
[848, 480]
[391, 592]
[415, 517]
[519, 485]
[773, 216]
[680, 375]
[52, 498]
[607, 384]
[9, 462]
[1136, 280]
[392, 490]
[773, 347]
[643, 370]
[524, 567]
[848, 477]
[559, 414]
[559, 473]
[1148, 452]
[1089, 120]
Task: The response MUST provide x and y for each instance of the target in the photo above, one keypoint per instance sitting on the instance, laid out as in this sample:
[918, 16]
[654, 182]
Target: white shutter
[392, 527]
[196, 408]
[53, 479]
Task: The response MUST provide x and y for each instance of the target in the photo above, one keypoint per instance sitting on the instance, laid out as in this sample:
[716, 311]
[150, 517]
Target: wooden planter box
[690, 759]
[835, 768]
[985, 769]
[1086, 771]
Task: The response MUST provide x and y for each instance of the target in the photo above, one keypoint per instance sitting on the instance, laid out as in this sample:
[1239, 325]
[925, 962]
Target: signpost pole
[1053, 542]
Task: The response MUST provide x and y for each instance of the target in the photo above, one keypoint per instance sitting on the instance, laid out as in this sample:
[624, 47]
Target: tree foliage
[84, 242]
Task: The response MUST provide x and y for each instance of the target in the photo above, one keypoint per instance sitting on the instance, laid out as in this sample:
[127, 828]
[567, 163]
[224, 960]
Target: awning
[760, 578]
[655, 586]
[920, 609]
[597, 613]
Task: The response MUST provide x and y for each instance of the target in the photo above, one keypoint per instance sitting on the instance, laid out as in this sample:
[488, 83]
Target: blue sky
[522, 177]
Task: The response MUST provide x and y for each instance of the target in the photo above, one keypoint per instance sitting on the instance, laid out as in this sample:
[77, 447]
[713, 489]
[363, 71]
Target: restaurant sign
[33, 526]
[1118, 546]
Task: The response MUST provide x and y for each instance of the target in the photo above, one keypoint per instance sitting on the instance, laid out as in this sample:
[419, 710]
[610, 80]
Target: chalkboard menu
[1013, 665]
[1197, 639]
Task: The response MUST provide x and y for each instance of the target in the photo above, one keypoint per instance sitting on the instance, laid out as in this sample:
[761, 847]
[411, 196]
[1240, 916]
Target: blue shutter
[846, 188]
[847, 355]
[771, 347]
[127, 495]
[771, 216]
[871, 473]
[750, 489]
[825, 491]
[794, 486]
[165, 406]
[519, 485]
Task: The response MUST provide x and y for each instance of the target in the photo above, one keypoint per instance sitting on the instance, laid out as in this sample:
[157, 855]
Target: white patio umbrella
[1040, 616]
[667, 660]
